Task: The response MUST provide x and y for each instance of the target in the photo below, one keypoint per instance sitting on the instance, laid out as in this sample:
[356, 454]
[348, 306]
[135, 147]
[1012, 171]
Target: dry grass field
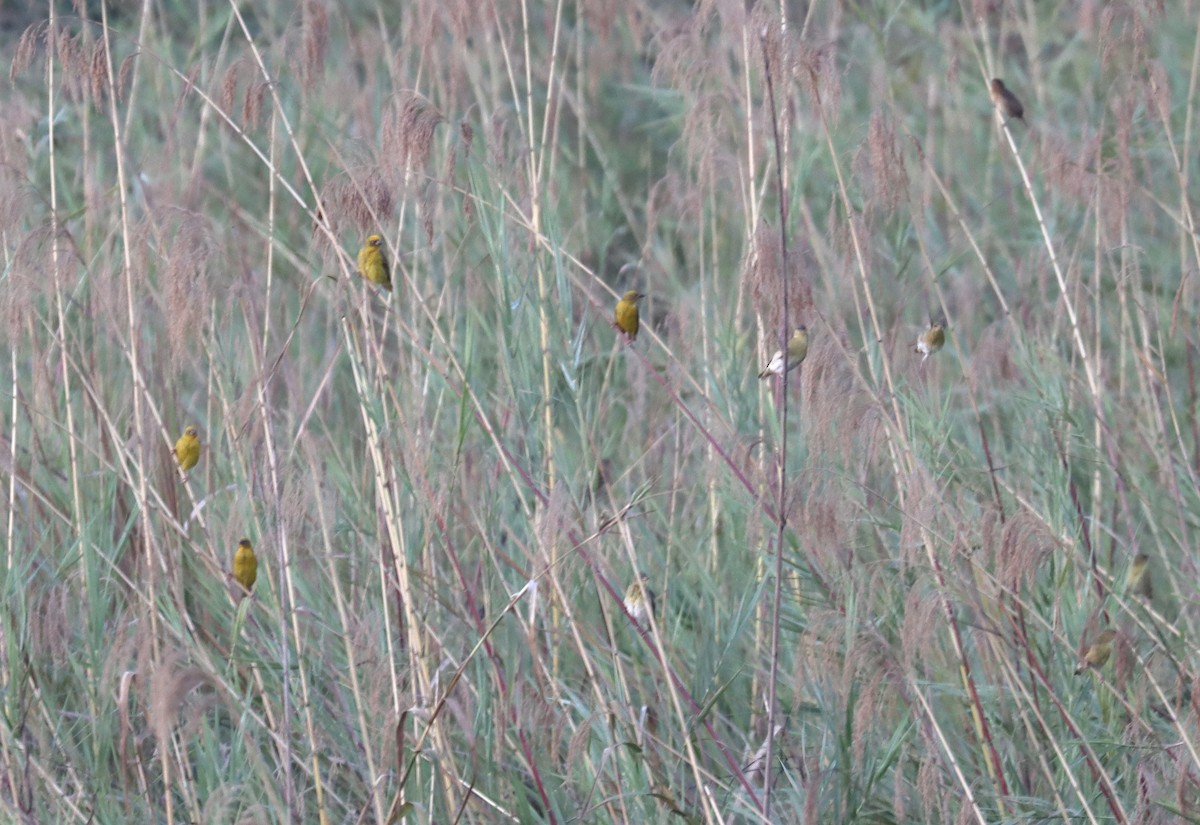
[873, 583]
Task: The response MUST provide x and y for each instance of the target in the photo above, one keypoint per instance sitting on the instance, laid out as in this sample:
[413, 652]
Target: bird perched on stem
[1097, 655]
[797, 349]
[627, 313]
[187, 449]
[245, 565]
[932, 339]
[1140, 582]
[373, 265]
[1006, 101]
[640, 600]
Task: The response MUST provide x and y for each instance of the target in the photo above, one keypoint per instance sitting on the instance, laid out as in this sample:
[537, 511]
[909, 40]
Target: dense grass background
[451, 486]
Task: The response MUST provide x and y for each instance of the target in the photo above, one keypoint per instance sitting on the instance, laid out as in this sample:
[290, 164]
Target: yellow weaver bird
[627, 313]
[187, 449]
[245, 565]
[1097, 655]
[1006, 101]
[797, 349]
[640, 600]
[932, 339]
[373, 265]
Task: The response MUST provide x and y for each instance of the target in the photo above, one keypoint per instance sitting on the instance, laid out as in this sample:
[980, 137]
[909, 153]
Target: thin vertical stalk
[283, 560]
[56, 268]
[781, 475]
[139, 387]
[536, 159]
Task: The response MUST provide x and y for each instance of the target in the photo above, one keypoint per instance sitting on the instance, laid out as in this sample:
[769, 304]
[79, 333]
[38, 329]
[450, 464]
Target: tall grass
[870, 609]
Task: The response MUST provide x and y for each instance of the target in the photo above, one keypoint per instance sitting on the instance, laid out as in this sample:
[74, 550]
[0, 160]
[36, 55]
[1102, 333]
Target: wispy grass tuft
[868, 609]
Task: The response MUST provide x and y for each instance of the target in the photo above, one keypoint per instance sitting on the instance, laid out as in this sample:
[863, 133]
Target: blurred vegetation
[450, 486]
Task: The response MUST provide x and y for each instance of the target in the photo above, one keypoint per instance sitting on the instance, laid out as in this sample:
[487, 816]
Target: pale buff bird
[640, 600]
[932, 339]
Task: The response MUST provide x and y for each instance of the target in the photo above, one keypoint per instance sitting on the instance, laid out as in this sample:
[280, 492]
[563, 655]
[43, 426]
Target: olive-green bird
[797, 349]
[245, 565]
[1140, 582]
[932, 339]
[187, 449]
[640, 600]
[1097, 655]
[627, 313]
[373, 265]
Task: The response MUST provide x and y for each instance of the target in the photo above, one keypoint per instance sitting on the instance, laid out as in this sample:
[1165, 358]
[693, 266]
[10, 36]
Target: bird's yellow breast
[245, 565]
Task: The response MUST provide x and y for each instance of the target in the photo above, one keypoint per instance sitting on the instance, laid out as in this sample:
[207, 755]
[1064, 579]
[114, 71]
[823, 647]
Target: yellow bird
[373, 265]
[932, 339]
[187, 449]
[627, 313]
[1097, 655]
[797, 349]
[1140, 582]
[640, 600]
[245, 565]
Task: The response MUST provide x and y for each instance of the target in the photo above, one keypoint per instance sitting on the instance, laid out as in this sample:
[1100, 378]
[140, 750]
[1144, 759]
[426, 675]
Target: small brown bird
[797, 350]
[1140, 582]
[1097, 655]
[187, 449]
[245, 565]
[932, 339]
[1006, 101]
[627, 313]
[640, 600]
